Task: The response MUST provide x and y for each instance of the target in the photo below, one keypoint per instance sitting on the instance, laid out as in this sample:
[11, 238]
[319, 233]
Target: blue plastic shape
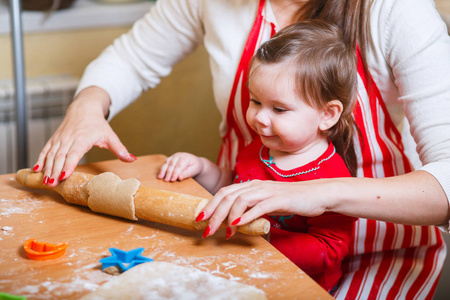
[124, 259]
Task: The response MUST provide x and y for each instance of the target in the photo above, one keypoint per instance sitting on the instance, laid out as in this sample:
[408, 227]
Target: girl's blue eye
[279, 110]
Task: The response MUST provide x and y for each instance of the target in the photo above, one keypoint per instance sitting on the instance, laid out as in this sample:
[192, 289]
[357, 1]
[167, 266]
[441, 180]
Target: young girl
[302, 84]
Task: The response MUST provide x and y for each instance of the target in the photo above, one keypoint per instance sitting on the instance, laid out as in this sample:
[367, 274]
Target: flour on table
[11, 207]
[163, 280]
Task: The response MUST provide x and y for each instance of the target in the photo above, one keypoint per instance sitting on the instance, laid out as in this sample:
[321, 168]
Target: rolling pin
[156, 205]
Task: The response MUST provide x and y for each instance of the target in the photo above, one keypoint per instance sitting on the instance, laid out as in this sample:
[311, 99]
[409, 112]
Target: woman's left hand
[244, 202]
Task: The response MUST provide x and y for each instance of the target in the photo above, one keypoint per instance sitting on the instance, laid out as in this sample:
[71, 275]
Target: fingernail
[132, 156]
[206, 232]
[62, 175]
[45, 181]
[200, 217]
[36, 167]
[52, 180]
[235, 222]
[228, 233]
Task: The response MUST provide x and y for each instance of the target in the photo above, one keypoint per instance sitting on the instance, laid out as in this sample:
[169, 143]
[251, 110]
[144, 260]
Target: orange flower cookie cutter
[44, 251]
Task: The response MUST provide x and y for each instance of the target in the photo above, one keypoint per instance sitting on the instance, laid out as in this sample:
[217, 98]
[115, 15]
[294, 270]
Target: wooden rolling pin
[150, 204]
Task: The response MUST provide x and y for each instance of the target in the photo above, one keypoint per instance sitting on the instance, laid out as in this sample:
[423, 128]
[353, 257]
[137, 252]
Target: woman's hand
[83, 127]
[180, 166]
[415, 198]
[244, 202]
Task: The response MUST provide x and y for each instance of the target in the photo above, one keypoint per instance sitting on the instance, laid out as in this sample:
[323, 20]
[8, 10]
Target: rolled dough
[111, 195]
[163, 280]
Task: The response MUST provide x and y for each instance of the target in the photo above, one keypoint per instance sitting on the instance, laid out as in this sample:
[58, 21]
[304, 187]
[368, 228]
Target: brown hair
[352, 18]
[324, 65]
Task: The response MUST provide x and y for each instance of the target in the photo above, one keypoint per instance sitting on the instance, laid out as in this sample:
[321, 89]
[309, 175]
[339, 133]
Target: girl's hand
[83, 127]
[180, 166]
[245, 202]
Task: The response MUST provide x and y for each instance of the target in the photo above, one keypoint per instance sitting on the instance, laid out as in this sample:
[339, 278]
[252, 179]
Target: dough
[111, 195]
[163, 280]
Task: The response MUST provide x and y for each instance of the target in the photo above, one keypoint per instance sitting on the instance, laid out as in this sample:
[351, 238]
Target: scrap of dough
[163, 280]
[111, 195]
[113, 270]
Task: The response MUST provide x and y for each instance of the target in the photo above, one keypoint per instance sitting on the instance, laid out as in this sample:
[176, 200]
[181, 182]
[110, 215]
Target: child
[302, 85]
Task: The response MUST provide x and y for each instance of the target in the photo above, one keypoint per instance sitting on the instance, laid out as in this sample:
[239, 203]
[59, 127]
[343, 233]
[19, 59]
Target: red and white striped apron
[388, 261]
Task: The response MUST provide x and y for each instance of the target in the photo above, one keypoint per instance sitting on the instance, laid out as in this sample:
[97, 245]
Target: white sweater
[409, 59]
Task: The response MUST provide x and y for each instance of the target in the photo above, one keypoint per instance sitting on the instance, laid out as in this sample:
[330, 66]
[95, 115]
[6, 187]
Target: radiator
[47, 100]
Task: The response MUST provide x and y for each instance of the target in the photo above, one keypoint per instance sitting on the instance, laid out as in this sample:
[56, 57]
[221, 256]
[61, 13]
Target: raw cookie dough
[111, 195]
[163, 280]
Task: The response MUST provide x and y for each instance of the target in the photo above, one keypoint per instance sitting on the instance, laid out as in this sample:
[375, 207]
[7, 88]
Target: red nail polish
[206, 232]
[36, 167]
[228, 233]
[132, 156]
[62, 175]
[235, 222]
[52, 180]
[200, 217]
[45, 181]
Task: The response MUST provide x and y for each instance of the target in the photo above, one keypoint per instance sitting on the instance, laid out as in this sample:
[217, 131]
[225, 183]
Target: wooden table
[45, 216]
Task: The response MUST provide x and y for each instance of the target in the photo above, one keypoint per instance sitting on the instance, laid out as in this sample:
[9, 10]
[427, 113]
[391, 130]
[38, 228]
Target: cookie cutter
[124, 259]
[5, 296]
[44, 251]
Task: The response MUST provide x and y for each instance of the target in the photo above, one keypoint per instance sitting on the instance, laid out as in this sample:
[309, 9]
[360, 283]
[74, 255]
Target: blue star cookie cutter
[124, 259]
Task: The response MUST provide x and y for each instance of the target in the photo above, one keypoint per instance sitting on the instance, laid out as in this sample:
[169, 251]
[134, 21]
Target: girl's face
[283, 121]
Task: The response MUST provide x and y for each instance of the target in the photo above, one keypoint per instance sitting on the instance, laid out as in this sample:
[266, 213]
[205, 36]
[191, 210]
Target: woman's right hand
[83, 127]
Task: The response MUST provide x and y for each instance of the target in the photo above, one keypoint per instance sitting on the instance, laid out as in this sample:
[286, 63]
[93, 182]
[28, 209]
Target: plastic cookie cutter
[44, 251]
[124, 259]
[5, 296]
